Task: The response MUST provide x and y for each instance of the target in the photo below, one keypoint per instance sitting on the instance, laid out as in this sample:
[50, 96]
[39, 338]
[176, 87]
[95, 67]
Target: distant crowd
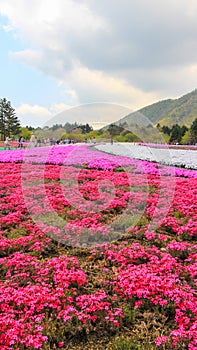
[39, 142]
[36, 142]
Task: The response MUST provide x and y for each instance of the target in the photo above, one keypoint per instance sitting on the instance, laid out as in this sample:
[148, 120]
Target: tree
[56, 126]
[193, 131]
[187, 138]
[25, 133]
[30, 128]
[184, 129]
[85, 129]
[166, 130]
[158, 126]
[9, 123]
[3, 108]
[176, 134]
[115, 130]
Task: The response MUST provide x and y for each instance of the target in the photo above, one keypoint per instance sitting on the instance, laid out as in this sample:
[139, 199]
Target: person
[7, 143]
[39, 142]
[111, 140]
[32, 140]
[20, 142]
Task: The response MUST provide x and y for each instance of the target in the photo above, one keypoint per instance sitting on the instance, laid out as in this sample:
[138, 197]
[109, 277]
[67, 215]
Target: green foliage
[120, 138]
[194, 131]
[126, 343]
[127, 136]
[69, 127]
[124, 222]
[25, 133]
[166, 130]
[130, 137]
[77, 137]
[9, 123]
[69, 131]
[176, 134]
[129, 315]
[166, 138]
[115, 130]
[86, 128]
[187, 138]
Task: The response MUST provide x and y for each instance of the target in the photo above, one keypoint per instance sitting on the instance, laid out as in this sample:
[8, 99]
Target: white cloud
[36, 115]
[33, 110]
[59, 107]
[96, 86]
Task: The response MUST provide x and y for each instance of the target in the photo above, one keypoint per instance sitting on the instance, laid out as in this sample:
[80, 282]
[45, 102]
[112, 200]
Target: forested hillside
[182, 111]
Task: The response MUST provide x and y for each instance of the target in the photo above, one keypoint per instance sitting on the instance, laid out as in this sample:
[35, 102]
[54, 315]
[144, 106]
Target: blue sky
[60, 54]
[20, 82]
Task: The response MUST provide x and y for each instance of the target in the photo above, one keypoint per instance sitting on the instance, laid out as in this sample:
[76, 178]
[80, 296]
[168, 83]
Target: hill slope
[182, 111]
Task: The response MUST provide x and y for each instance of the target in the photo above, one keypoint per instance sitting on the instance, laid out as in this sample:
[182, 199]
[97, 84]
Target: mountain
[182, 111]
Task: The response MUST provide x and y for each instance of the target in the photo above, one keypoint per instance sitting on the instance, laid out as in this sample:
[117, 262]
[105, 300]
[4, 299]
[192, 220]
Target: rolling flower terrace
[96, 244]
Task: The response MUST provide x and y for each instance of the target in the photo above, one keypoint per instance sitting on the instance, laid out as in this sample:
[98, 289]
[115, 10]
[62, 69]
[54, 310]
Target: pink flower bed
[73, 195]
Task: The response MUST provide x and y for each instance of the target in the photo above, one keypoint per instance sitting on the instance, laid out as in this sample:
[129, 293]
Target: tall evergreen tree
[3, 109]
[9, 123]
[176, 134]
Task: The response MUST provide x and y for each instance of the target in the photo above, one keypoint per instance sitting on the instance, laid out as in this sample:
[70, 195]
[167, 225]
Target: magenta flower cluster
[88, 191]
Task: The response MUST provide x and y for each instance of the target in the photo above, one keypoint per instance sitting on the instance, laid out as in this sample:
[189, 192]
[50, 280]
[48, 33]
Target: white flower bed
[182, 158]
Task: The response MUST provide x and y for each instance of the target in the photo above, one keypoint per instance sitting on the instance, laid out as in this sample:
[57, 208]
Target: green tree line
[180, 134]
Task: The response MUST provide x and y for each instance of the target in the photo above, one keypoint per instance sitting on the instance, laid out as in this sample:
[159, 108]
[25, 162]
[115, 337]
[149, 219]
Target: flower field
[176, 155]
[97, 251]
